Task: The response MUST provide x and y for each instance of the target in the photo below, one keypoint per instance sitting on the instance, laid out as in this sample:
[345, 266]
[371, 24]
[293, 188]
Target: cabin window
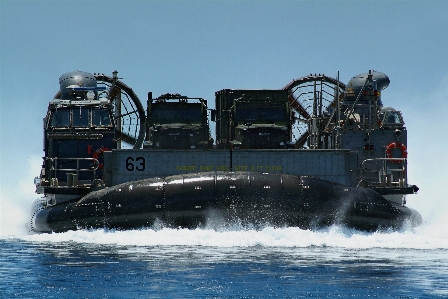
[269, 116]
[81, 116]
[100, 118]
[393, 117]
[168, 116]
[61, 118]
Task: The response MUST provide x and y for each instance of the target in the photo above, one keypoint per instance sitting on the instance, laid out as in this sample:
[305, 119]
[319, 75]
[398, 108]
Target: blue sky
[198, 47]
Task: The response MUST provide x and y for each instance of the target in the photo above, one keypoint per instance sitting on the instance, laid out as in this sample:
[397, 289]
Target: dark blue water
[269, 263]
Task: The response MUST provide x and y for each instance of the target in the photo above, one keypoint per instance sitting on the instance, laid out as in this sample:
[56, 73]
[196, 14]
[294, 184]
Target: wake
[423, 237]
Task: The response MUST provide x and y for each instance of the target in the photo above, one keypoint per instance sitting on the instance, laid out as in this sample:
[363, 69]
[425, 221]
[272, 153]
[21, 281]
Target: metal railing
[54, 167]
[392, 172]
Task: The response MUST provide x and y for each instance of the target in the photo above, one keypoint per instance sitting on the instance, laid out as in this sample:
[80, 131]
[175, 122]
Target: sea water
[226, 263]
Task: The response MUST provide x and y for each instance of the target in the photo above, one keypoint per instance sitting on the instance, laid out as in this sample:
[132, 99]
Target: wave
[424, 237]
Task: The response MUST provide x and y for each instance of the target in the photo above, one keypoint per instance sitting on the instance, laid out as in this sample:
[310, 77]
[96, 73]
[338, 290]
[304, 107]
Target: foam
[421, 238]
[16, 200]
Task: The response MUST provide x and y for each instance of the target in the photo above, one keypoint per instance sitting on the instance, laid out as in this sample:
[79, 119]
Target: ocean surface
[233, 262]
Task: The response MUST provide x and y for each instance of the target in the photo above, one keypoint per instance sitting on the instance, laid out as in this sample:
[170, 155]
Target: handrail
[386, 175]
[53, 167]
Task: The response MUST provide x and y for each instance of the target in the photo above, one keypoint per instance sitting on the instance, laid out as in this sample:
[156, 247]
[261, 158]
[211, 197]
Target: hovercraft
[312, 154]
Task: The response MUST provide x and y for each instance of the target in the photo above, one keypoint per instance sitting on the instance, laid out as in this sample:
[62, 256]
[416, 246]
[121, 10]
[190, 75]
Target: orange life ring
[394, 145]
[99, 152]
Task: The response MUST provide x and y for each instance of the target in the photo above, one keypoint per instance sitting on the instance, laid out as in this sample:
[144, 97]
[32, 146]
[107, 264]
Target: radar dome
[77, 78]
[355, 85]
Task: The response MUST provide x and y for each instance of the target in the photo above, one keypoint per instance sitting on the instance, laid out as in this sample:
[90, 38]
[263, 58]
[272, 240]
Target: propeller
[310, 97]
[129, 112]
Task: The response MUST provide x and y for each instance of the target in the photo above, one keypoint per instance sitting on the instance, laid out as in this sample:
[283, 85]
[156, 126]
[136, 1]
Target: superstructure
[314, 153]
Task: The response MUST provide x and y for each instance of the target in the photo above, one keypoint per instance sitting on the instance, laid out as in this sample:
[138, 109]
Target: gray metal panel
[380, 139]
[131, 165]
